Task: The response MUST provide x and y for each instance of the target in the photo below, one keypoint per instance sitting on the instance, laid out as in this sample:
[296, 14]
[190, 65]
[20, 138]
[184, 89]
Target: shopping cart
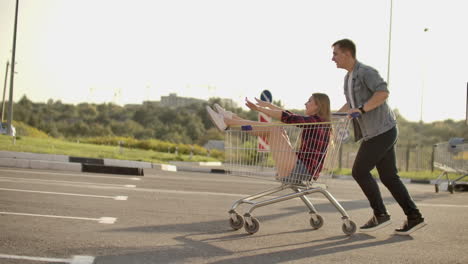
[245, 158]
[451, 157]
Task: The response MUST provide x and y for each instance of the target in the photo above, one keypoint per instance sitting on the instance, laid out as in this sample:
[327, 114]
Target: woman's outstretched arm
[274, 113]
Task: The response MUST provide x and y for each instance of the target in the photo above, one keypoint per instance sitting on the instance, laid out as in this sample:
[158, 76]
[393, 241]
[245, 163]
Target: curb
[40, 164]
[28, 160]
[111, 169]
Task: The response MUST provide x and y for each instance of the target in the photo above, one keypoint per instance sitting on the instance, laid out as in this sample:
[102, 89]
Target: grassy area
[56, 146]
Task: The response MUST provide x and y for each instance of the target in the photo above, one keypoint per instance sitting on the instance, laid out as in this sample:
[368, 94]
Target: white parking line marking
[69, 174]
[82, 260]
[121, 198]
[34, 258]
[107, 220]
[442, 205]
[74, 260]
[28, 180]
[118, 198]
[101, 220]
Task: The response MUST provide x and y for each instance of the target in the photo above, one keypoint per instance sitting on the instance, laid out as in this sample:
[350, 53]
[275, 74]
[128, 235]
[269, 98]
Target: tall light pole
[389, 43]
[466, 118]
[12, 73]
[423, 82]
[4, 90]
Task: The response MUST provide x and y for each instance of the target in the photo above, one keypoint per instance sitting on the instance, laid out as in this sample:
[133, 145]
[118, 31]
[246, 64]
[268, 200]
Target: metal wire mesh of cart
[301, 154]
[302, 157]
[451, 157]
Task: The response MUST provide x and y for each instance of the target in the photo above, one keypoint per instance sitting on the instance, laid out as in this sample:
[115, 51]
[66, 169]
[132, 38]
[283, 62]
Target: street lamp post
[423, 82]
[4, 90]
[389, 42]
[12, 73]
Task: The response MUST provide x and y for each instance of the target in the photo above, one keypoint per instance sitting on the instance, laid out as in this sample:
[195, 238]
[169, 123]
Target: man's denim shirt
[367, 81]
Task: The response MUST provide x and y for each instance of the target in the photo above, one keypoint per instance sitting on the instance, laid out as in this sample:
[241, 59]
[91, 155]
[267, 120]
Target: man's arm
[375, 83]
[375, 101]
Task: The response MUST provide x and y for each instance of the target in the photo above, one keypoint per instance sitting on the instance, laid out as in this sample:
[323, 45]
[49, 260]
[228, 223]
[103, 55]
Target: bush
[155, 145]
[28, 131]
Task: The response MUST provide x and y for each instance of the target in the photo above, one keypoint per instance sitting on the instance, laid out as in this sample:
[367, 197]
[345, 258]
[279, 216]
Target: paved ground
[181, 217]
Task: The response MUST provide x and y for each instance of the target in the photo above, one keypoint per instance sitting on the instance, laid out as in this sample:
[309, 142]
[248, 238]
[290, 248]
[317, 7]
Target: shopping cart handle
[246, 128]
[353, 115]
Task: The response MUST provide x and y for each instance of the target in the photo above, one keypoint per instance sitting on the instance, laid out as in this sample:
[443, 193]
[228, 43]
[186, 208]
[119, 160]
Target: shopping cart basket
[316, 145]
[451, 157]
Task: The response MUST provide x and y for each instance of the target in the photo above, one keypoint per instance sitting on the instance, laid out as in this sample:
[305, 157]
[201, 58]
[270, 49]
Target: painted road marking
[442, 205]
[67, 183]
[101, 220]
[73, 260]
[70, 174]
[118, 198]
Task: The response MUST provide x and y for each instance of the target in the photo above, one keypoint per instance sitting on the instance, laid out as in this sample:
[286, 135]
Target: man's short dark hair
[346, 44]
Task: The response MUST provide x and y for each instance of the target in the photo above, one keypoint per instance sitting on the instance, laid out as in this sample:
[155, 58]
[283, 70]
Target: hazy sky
[129, 51]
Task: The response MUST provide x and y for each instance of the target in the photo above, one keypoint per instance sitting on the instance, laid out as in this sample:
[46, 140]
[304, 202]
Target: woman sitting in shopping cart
[292, 166]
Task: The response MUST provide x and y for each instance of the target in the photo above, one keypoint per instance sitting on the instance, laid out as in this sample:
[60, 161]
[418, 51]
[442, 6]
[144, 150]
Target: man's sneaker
[217, 119]
[410, 226]
[223, 111]
[376, 222]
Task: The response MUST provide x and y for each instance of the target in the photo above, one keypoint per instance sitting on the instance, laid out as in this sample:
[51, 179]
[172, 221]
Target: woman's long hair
[323, 103]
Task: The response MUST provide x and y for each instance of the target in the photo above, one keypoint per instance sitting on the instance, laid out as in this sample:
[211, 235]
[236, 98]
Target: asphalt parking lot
[181, 217]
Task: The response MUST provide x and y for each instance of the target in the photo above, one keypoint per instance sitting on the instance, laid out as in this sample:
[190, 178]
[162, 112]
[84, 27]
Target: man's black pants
[379, 152]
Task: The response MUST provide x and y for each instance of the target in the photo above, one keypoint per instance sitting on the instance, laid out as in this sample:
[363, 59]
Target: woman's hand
[263, 103]
[265, 107]
[251, 105]
[268, 105]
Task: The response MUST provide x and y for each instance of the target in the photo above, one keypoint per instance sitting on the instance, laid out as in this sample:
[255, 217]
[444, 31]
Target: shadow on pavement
[190, 249]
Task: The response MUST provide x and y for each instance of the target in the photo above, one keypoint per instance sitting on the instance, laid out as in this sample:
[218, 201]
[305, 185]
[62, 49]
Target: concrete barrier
[33, 156]
[15, 163]
[52, 165]
[39, 164]
[112, 169]
[127, 163]
[84, 160]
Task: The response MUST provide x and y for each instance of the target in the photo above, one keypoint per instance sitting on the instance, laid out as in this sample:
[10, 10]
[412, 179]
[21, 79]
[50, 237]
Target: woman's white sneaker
[223, 112]
[217, 119]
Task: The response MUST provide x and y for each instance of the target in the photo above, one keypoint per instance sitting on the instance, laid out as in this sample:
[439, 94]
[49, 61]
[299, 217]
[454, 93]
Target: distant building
[175, 101]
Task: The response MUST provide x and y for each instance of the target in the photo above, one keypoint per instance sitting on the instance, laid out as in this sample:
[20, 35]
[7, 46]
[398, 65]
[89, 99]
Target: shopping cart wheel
[316, 223]
[253, 228]
[349, 230]
[238, 223]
